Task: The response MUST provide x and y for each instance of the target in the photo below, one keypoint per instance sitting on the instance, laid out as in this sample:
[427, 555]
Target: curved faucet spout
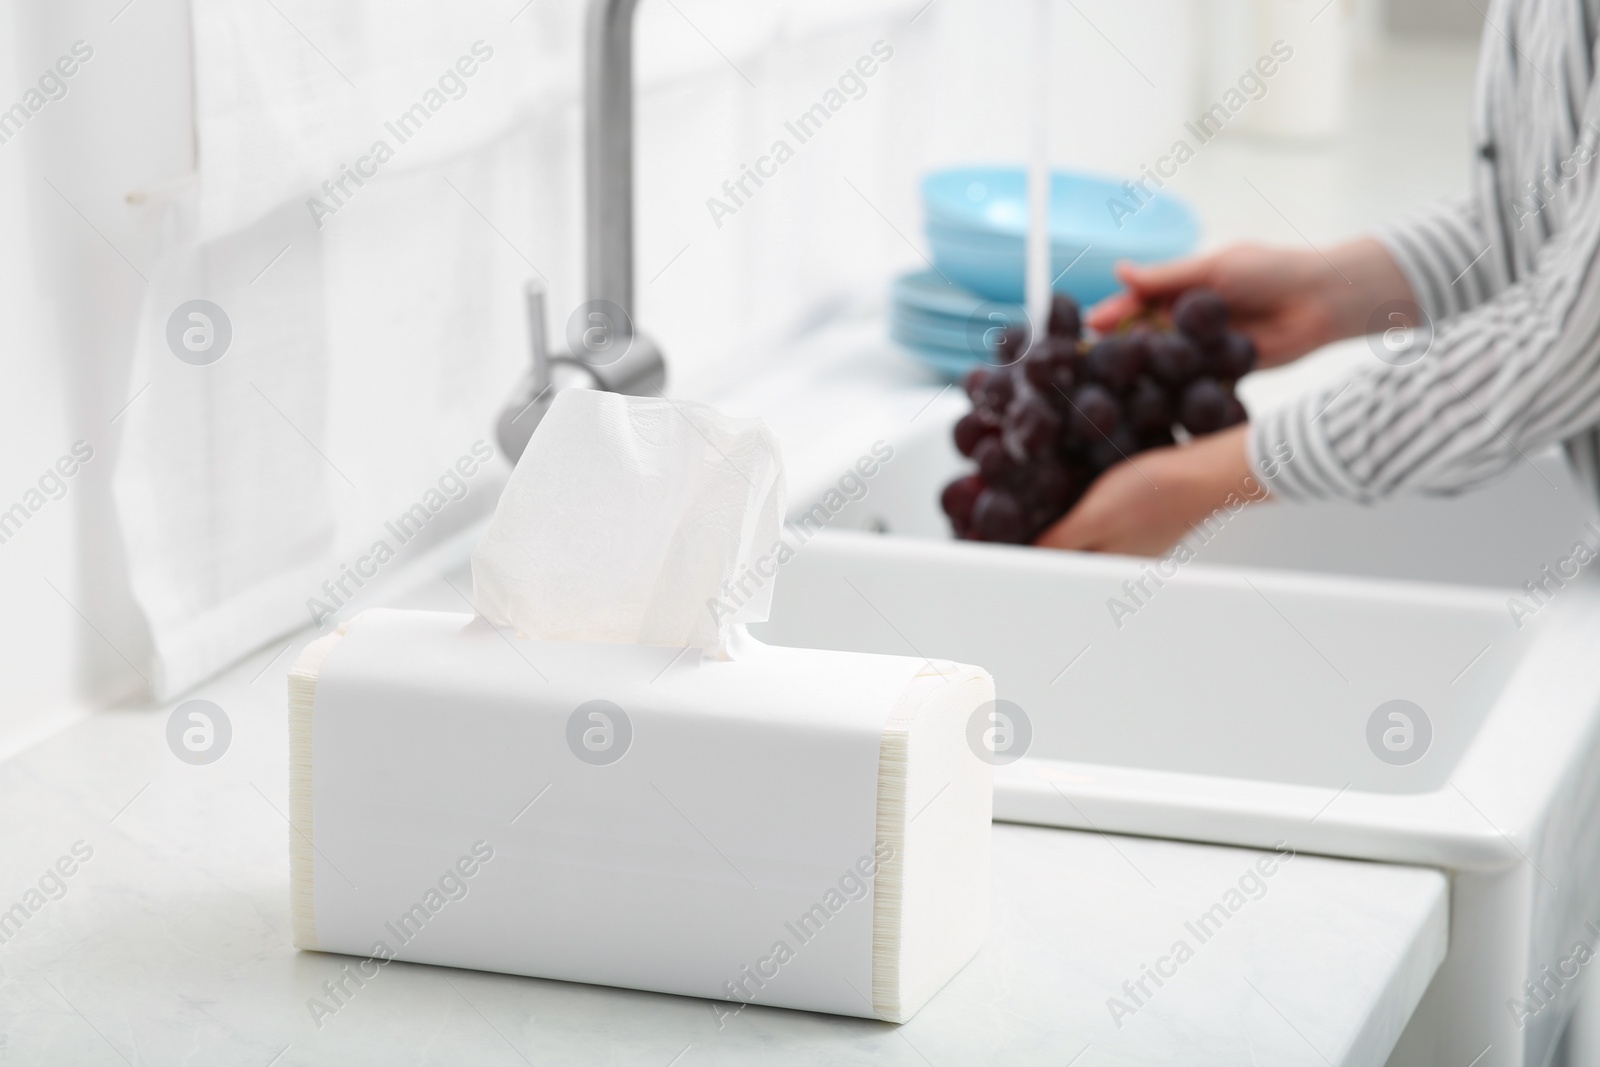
[608, 151]
[608, 350]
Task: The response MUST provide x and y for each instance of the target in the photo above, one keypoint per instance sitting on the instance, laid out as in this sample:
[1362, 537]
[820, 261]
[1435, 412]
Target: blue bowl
[977, 231]
[994, 201]
[998, 273]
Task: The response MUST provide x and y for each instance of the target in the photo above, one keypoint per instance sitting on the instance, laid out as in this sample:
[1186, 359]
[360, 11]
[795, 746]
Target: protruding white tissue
[625, 518]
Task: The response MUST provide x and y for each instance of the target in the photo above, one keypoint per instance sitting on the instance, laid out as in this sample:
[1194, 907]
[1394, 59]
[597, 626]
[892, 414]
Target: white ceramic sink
[1233, 706]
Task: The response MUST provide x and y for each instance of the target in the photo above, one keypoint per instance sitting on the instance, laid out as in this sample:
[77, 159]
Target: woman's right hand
[1290, 301]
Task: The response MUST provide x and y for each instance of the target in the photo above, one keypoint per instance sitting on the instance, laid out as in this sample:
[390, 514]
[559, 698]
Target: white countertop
[171, 944]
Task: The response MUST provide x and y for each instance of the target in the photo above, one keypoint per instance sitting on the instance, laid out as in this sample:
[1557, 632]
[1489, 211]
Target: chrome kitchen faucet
[605, 350]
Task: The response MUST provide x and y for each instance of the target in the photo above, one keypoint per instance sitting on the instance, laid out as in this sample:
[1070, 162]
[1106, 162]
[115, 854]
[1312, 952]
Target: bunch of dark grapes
[1051, 417]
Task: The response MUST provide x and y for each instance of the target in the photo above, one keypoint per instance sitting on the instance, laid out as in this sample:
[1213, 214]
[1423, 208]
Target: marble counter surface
[169, 943]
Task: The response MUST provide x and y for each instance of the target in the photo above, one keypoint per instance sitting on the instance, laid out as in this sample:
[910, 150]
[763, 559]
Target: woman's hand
[1147, 504]
[1290, 301]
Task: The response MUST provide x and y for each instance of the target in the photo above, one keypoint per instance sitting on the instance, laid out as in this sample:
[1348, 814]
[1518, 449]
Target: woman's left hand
[1145, 505]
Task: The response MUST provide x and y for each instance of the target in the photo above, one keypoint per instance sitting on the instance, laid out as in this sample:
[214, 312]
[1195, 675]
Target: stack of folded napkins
[600, 777]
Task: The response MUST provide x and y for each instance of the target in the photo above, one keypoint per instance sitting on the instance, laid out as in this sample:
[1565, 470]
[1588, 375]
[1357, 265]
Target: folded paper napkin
[625, 518]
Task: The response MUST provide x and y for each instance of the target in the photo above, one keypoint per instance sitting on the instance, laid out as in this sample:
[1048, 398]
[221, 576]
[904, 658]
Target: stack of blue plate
[977, 233]
[945, 326]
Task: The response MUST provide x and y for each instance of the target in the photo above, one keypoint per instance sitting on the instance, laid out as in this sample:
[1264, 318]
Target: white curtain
[377, 327]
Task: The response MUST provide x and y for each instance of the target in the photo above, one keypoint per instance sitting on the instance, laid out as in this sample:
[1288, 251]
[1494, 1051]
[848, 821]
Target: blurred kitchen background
[371, 352]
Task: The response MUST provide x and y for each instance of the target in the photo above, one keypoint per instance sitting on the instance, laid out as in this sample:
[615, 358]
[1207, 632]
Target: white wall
[822, 237]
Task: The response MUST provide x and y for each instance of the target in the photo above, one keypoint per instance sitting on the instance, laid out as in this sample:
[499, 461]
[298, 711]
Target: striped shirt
[1510, 276]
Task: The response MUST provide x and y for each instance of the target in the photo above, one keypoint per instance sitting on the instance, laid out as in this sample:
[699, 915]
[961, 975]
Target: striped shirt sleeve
[1511, 375]
[1443, 251]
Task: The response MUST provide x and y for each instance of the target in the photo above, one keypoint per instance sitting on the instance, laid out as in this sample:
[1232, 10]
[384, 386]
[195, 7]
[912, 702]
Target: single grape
[973, 427]
[1031, 425]
[1043, 504]
[998, 388]
[1174, 360]
[997, 465]
[1065, 319]
[959, 496]
[1147, 407]
[1201, 314]
[997, 516]
[1049, 368]
[1108, 452]
[1116, 362]
[1234, 357]
[1011, 344]
[1025, 491]
[1204, 408]
[1068, 376]
[1095, 412]
[974, 383]
[1139, 339]
[1038, 365]
[1053, 484]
